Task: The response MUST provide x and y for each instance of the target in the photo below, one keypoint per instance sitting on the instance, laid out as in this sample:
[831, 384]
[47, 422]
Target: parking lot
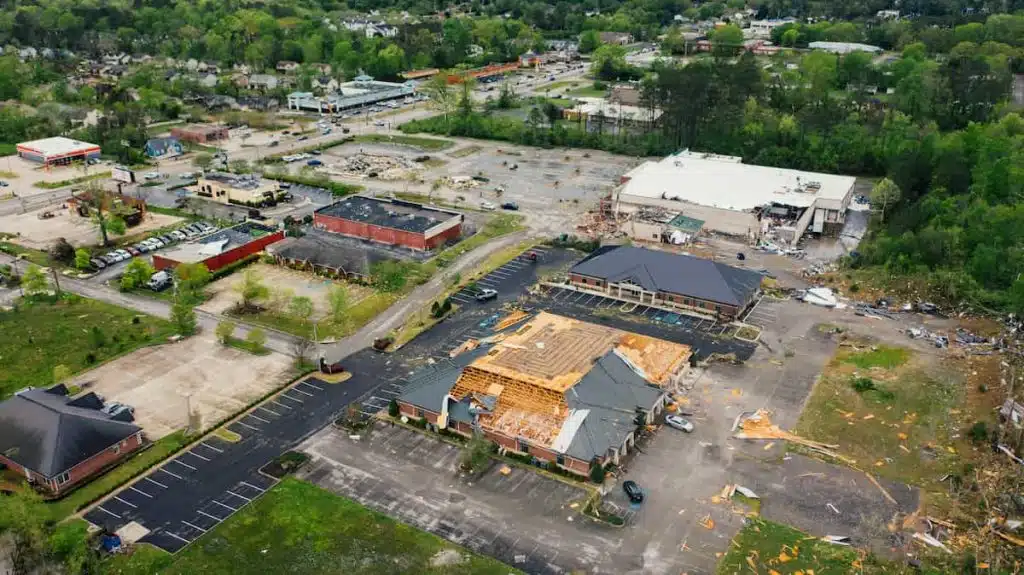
[34, 231]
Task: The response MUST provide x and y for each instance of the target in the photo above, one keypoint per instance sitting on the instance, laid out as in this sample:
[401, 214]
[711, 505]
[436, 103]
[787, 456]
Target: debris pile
[377, 166]
[760, 426]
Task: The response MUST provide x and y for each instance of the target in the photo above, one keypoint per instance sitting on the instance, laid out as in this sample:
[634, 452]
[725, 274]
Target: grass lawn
[587, 92]
[247, 347]
[357, 316]
[76, 332]
[70, 181]
[298, 528]
[466, 151]
[768, 548]
[889, 411]
[431, 144]
[111, 480]
[38, 257]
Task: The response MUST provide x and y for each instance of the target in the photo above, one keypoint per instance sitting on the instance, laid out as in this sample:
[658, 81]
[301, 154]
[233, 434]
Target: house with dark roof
[668, 280]
[563, 391]
[58, 442]
[390, 221]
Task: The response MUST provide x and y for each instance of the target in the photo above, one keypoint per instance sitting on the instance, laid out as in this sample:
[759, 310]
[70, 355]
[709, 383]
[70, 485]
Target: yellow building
[246, 190]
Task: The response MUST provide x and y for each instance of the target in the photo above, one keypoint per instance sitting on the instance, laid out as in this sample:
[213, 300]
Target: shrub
[393, 409]
[597, 472]
[862, 384]
[978, 432]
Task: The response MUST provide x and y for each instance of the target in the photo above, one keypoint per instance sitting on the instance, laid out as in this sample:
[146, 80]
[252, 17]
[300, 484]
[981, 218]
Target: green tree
[727, 40]
[301, 307]
[337, 298]
[183, 317]
[23, 517]
[34, 281]
[597, 472]
[251, 289]
[60, 373]
[590, 40]
[136, 274]
[389, 276]
[203, 160]
[441, 95]
[225, 331]
[191, 277]
[256, 338]
[82, 259]
[884, 195]
[239, 166]
[476, 453]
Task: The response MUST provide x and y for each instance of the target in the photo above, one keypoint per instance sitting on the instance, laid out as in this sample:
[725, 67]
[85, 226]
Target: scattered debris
[821, 296]
[707, 522]
[746, 492]
[933, 542]
[837, 540]
[833, 508]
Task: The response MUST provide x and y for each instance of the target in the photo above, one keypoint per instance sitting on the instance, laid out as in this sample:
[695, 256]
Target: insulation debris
[759, 426]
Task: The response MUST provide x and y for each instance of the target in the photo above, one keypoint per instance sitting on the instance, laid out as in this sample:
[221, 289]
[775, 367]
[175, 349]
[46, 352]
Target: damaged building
[731, 198]
[555, 388]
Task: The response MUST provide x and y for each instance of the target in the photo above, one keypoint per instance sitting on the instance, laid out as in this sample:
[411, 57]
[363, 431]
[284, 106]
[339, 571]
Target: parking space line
[501, 275]
[457, 297]
[258, 418]
[281, 404]
[155, 482]
[135, 489]
[316, 387]
[208, 446]
[197, 455]
[182, 539]
[226, 506]
[129, 504]
[237, 495]
[243, 424]
[172, 475]
[205, 514]
[270, 411]
[100, 507]
[487, 282]
[180, 462]
[291, 398]
[196, 527]
[251, 485]
[306, 393]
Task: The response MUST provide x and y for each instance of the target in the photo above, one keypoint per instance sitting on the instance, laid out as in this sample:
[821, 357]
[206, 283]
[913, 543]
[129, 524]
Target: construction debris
[382, 167]
[759, 426]
[929, 540]
[837, 540]
[821, 296]
[707, 522]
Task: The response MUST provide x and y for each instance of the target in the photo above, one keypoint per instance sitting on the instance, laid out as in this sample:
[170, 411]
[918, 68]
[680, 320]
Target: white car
[485, 205]
[125, 254]
[151, 175]
[679, 423]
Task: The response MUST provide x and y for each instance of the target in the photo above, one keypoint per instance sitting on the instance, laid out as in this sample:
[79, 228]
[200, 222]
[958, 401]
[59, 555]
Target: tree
[608, 62]
[192, 276]
[727, 40]
[136, 274]
[389, 276]
[239, 166]
[22, 516]
[251, 289]
[302, 347]
[34, 282]
[590, 40]
[256, 338]
[60, 373]
[105, 214]
[441, 96]
[393, 408]
[476, 454]
[301, 307]
[337, 298]
[62, 251]
[203, 160]
[885, 194]
[82, 259]
[597, 472]
[183, 317]
[225, 331]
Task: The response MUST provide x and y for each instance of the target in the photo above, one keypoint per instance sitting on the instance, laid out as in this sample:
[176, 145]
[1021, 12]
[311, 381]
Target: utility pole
[56, 282]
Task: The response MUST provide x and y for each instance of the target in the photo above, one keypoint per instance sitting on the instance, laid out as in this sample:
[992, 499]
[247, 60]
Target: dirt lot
[40, 234]
[28, 173]
[281, 281]
[158, 381]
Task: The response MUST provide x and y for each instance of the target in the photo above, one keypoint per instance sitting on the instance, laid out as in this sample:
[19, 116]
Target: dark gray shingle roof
[49, 433]
[669, 272]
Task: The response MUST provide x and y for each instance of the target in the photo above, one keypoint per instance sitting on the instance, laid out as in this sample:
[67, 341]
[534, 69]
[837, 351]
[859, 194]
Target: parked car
[125, 254]
[108, 259]
[316, 152]
[302, 138]
[134, 251]
[679, 423]
[510, 206]
[741, 256]
[159, 281]
[485, 205]
[486, 294]
[3, 184]
[151, 176]
[379, 123]
[314, 162]
[178, 235]
[98, 263]
[166, 239]
[633, 491]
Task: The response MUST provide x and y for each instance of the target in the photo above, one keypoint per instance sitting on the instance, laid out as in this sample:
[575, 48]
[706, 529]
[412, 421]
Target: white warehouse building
[736, 199]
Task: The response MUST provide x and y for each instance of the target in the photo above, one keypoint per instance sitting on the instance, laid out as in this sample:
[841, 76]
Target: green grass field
[300, 529]
[75, 332]
[430, 144]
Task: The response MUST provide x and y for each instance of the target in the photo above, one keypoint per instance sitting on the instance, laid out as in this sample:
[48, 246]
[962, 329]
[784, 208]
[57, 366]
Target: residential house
[668, 280]
[620, 38]
[208, 80]
[325, 84]
[29, 53]
[287, 66]
[264, 82]
[57, 442]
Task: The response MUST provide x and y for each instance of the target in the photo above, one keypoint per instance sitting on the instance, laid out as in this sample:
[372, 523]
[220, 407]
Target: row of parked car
[188, 232]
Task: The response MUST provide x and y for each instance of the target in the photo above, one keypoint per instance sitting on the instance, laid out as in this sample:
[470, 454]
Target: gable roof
[48, 432]
[681, 274]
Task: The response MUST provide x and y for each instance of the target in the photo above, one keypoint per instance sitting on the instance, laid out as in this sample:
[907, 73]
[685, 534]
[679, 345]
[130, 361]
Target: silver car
[679, 423]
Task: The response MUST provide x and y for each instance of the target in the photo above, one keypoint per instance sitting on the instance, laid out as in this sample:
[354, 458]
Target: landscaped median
[298, 528]
[71, 181]
[429, 144]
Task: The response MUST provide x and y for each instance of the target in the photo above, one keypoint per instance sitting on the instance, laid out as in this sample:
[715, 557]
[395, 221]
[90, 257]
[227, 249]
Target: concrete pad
[132, 532]
[160, 381]
[38, 233]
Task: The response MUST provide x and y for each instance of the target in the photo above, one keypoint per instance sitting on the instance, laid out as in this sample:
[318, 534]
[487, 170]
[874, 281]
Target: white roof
[595, 106]
[57, 146]
[726, 182]
[843, 47]
[569, 428]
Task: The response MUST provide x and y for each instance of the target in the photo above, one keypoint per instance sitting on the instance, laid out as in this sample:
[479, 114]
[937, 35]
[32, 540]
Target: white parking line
[488, 282]
[258, 418]
[196, 527]
[243, 424]
[129, 504]
[156, 482]
[100, 507]
[208, 446]
[237, 495]
[226, 506]
[137, 490]
[179, 461]
[316, 387]
[251, 485]
[281, 404]
[271, 411]
[459, 298]
[194, 454]
[306, 393]
[205, 514]
[172, 475]
[501, 275]
[182, 539]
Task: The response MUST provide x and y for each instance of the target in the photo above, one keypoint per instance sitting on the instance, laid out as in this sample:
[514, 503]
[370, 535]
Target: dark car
[633, 491]
[510, 206]
[314, 162]
[486, 294]
[741, 256]
[316, 152]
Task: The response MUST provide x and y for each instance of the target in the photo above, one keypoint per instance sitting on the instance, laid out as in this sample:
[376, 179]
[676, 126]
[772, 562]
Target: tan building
[244, 190]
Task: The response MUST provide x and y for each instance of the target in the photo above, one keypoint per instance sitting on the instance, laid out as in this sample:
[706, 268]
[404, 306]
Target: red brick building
[200, 133]
[220, 248]
[557, 389]
[391, 222]
[57, 442]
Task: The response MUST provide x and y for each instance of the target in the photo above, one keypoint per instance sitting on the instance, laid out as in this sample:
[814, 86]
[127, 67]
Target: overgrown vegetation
[429, 144]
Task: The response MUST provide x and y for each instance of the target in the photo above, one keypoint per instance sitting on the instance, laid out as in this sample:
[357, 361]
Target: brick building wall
[200, 135]
[84, 470]
[389, 236]
[231, 256]
[724, 311]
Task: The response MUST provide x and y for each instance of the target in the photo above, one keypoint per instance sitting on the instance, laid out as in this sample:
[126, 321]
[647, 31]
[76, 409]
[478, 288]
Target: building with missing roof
[668, 280]
[558, 389]
[390, 221]
[220, 248]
